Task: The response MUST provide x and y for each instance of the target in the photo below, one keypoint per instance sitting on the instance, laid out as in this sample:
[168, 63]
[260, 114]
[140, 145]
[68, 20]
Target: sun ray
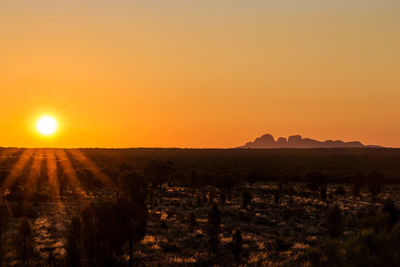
[17, 169]
[70, 172]
[52, 175]
[34, 173]
[89, 164]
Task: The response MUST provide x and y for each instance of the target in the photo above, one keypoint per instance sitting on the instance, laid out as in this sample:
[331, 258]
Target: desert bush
[315, 180]
[340, 191]
[107, 227]
[334, 221]
[390, 209]
[163, 225]
[328, 253]
[24, 209]
[373, 248]
[314, 255]
[282, 244]
[373, 218]
[159, 172]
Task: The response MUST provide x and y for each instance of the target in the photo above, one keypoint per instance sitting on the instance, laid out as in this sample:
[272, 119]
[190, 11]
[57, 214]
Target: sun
[46, 125]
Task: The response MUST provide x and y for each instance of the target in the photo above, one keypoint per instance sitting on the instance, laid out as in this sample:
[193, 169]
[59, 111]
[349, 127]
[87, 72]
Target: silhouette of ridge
[297, 141]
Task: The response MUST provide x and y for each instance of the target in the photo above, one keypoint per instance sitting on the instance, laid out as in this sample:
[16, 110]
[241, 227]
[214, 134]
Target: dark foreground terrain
[177, 207]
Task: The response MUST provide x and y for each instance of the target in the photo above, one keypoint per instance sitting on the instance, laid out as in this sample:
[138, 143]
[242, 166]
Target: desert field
[172, 207]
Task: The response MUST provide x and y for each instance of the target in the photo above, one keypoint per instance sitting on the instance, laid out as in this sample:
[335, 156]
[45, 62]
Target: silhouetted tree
[194, 180]
[214, 227]
[253, 176]
[73, 246]
[90, 234]
[132, 208]
[159, 172]
[334, 221]
[4, 217]
[24, 241]
[225, 182]
[237, 241]
[315, 180]
[3, 176]
[107, 227]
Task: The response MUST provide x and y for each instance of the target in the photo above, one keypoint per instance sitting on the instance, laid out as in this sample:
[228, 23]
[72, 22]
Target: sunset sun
[46, 125]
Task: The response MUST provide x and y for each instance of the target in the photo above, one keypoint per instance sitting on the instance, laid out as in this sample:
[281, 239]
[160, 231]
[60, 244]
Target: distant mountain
[296, 141]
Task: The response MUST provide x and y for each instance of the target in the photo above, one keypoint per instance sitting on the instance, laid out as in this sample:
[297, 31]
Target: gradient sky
[199, 73]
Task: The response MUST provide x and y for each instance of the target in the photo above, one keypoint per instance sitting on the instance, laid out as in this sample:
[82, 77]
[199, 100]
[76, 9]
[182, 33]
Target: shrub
[328, 253]
[340, 191]
[393, 212]
[334, 221]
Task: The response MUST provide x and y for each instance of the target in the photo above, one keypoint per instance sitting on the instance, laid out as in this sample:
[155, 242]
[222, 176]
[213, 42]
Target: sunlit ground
[50, 217]
[298, 220]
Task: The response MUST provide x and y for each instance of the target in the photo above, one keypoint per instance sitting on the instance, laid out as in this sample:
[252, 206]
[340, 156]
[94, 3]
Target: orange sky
[199, 73]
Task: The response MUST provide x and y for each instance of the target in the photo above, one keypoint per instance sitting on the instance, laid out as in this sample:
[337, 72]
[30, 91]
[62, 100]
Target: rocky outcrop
[296, 141]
